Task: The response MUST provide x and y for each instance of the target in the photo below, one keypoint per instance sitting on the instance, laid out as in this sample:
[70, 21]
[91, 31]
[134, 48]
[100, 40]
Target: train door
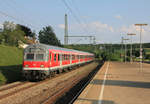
[53, 59]
[60, 59]
[50, 58]
[70, 58]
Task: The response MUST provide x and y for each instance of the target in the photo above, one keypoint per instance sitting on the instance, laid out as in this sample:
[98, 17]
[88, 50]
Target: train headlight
[26, 66]
[41, 66]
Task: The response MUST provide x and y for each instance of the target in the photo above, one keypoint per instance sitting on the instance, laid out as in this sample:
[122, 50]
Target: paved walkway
[118, 83]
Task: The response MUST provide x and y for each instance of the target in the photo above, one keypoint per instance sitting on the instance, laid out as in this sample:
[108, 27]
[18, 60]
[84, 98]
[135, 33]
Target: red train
[41, 61]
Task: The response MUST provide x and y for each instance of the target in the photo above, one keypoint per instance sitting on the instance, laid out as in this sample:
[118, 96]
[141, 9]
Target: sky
[107, 20]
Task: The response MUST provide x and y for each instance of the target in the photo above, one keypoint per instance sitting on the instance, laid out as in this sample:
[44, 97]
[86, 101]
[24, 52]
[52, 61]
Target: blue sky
[108, 20]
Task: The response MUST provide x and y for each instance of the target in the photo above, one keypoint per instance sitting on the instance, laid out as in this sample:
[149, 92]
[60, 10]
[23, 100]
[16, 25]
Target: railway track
[21, 86]
[61, 91]
[86, 81]
[70, 87]
[51, 88]
[15, 89]
[9, 86]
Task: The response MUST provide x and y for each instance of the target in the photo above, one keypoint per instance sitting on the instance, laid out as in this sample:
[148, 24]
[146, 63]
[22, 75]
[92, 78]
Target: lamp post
[125, 48]
[141, 56]
[131, 59]
[122, 48]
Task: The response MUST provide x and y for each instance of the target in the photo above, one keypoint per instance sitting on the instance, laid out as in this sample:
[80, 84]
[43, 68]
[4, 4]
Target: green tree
[2, 39]
[27, 31]
[47, 36]
[12, 36]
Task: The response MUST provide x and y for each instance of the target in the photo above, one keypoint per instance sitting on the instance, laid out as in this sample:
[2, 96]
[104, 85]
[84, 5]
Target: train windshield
[34, 57]
[39, 57]
[30, 56]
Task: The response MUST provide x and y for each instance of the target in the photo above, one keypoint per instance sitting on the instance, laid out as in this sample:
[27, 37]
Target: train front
[35, 62]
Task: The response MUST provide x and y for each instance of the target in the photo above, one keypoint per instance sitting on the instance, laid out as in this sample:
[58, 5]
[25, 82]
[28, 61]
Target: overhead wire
[17, 19]
[27, 17]
[84, 25]
[12, 5]
[74, 15]
[79, 13]
[77, 41]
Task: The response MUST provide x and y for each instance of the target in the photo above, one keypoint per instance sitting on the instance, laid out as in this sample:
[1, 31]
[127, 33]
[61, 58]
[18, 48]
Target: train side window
[68, 57]
[58, 57]
[63, 56]
[78, 57]
[73, 57]
[49, 56]
[54, 57]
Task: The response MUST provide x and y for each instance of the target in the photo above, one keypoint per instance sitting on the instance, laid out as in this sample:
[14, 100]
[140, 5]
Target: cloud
[118, 17]
[1, 25]
[102, 31]
[107, 33]
[92, 26]
[133, 29]
[61, 26]
[100, 27]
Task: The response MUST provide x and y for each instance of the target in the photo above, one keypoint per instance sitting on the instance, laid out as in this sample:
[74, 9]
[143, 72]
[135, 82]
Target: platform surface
[118, 83]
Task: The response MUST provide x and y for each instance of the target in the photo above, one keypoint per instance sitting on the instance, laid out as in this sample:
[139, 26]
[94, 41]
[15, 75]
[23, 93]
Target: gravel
[35, 94]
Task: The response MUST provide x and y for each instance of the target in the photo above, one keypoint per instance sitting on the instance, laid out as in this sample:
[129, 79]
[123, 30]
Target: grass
[10, 64]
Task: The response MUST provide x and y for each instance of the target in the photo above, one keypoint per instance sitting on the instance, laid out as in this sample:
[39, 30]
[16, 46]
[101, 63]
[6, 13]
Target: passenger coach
[42, 60]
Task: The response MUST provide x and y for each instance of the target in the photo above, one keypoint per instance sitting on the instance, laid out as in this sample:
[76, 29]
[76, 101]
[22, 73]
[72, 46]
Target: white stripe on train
[56, 67]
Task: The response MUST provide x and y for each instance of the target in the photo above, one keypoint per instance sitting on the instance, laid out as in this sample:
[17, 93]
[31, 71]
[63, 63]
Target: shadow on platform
[93, 101]
[122, 83]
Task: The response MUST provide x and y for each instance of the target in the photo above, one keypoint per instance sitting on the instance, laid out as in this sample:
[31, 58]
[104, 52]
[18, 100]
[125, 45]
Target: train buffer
[118, 83]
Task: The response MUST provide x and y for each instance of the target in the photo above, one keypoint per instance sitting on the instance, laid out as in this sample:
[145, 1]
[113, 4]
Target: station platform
[118, 83]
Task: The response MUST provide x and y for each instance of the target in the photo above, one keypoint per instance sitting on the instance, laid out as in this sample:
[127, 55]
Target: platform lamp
[141, 56]
[131, 58]
[124, 39]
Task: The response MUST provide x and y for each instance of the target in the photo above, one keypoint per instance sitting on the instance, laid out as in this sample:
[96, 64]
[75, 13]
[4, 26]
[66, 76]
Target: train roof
[56, 48]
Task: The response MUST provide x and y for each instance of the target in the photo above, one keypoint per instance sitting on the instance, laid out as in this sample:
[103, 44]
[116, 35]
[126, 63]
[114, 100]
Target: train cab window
[30, 56]
[55, 57]
[39, 56]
